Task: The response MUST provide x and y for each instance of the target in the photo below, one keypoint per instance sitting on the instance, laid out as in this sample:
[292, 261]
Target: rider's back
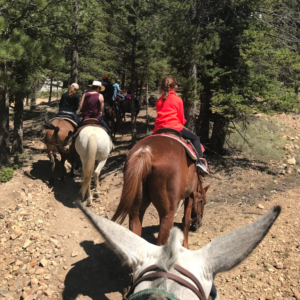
[91, 106]
[68, 103]
[170, 113]
[108, 93]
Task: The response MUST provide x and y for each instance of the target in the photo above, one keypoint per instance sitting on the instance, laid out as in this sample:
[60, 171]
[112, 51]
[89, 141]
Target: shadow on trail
[149, 231]
[99, 274]
[66, 193]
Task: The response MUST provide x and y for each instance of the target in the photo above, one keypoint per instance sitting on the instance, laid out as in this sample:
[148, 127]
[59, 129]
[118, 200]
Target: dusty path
[49, 251]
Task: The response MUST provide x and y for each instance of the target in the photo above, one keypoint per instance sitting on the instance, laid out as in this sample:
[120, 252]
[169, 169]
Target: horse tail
[136, 169]
[49, 125]
[90, 163]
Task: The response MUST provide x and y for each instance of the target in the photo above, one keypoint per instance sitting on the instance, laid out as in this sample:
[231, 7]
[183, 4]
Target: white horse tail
[89, 163]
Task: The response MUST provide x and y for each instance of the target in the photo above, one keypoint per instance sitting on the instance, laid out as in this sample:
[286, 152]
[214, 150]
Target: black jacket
[108, 93]
[68, 103]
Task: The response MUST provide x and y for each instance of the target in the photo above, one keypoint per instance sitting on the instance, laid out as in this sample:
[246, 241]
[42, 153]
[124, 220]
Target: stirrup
[202, 165]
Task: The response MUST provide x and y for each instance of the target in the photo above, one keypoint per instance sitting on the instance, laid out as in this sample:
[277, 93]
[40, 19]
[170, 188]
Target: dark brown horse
[158, 170]
[125, 107]
[111, 118]
[58, 138]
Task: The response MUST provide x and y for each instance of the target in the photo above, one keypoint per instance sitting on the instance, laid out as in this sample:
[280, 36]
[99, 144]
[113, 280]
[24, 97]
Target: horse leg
[166, 224]
[97, 173]
[63, 170]
[135, 223]
[52, 161]
[146, 201]
[186, 220]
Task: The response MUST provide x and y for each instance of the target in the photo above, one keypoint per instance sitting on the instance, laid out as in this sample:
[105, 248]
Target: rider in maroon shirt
[92, 104]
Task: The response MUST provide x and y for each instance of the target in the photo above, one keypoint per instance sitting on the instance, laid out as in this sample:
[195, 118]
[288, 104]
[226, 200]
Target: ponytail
[167, 83]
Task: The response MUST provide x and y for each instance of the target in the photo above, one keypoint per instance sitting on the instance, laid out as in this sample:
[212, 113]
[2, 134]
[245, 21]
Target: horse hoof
[89, 203]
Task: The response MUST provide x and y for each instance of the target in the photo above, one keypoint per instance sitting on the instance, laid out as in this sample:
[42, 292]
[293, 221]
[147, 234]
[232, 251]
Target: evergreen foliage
[232, 57]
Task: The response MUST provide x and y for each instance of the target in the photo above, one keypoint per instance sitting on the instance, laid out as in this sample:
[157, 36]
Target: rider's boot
[203, 166]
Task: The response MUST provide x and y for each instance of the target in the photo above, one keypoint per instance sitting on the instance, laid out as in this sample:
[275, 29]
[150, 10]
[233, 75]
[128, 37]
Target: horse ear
[131, 248]
[227, 251]
[206, 188]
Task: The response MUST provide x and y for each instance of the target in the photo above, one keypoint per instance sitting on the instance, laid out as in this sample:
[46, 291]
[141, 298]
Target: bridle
[202, 208]
[200, 201]
[198, 289]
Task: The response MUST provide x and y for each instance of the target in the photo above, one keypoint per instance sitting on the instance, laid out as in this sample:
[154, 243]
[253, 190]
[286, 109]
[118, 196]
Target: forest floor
[48, 250]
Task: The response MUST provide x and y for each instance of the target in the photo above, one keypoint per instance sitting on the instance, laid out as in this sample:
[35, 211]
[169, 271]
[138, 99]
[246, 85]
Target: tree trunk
[33, 99]
[123, 81]
[147, 115]
[133, 86]
[17, 145]
[204, 116]
[27, 100]
[297, 91]
[141, 88]
[74, 63]
[50, 92]
[219, 132]
[4, 126]
[190, 96]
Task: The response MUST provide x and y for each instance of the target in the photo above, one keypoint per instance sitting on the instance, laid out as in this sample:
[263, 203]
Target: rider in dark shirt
[108, 93]
[69, 102]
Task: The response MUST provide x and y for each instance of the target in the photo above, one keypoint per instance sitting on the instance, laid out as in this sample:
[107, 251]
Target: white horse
[220, 255]
[92, 144]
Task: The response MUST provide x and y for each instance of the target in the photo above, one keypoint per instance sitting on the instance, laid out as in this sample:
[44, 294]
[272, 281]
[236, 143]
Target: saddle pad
[66, 119]
[80, 128]
[188, 148]
[90, 121]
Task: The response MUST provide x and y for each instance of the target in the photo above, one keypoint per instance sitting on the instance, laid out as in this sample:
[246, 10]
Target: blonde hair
[74, 87]
[167, 83]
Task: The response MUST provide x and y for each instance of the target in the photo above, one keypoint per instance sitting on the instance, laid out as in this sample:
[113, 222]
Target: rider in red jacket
[170, 114]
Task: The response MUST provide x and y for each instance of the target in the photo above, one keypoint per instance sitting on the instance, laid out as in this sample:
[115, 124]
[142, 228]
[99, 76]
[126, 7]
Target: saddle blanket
[188, 148]
[70, 120]
[80, 128]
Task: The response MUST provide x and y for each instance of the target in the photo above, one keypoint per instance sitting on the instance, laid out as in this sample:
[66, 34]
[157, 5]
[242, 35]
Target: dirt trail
[48, 250]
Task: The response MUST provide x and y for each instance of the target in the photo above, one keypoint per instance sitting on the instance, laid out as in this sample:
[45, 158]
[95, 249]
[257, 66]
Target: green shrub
[264, 139]
[6, 174]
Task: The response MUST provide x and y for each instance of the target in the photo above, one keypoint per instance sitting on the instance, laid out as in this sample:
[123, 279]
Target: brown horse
[158, 170]
[125, 107]
[58, 138]
[111, 118]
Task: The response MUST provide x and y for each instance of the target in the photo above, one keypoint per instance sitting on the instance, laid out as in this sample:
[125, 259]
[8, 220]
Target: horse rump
[49, 125]
[137, 167]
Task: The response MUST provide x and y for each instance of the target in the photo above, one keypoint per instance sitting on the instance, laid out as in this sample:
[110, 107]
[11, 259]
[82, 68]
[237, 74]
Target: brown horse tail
[137, 168]
[49, 125]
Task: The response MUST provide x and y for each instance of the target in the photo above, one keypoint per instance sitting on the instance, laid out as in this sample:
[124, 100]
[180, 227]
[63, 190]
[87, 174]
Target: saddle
[89, 122]
[66, 118]
[177, 136]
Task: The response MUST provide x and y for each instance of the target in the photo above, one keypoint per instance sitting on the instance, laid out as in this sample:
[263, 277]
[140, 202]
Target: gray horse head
[220, 255]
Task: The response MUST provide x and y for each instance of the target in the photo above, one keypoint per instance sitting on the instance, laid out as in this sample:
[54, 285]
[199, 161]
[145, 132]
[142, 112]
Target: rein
[202, 208]
[198, 290]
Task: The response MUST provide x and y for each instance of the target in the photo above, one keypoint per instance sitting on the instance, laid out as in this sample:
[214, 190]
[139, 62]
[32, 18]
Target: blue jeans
[73, 115]
[121, 96]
